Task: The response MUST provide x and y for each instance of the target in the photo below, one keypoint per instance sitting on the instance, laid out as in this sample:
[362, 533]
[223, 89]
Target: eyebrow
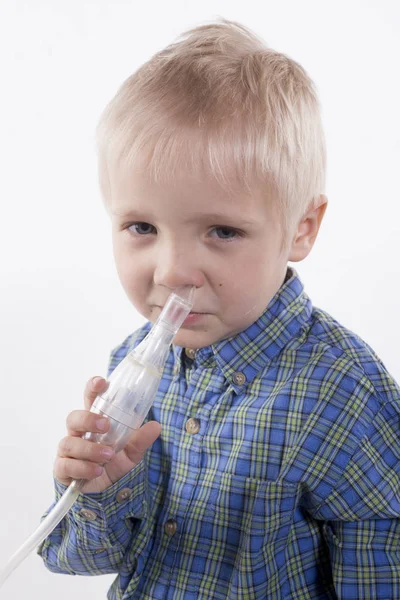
[217, 218]
[125, 214]
[222, 218]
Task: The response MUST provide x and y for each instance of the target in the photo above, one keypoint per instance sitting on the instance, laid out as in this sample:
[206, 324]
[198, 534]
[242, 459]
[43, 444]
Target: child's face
[194, 233]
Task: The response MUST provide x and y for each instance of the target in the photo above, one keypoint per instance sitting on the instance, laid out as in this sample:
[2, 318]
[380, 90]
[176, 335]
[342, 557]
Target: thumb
[141, 440]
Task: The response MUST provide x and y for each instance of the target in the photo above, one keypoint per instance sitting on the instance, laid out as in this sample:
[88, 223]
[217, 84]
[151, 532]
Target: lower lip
[193, 318]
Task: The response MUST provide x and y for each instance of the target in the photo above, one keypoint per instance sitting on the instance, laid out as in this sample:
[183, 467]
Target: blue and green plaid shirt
[276, 475]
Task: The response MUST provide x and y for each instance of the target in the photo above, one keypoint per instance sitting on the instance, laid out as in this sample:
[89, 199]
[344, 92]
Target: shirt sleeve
[362, 515]
[93, 537]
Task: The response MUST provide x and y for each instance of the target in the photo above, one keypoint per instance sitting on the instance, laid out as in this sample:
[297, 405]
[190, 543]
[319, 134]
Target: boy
[269, 465]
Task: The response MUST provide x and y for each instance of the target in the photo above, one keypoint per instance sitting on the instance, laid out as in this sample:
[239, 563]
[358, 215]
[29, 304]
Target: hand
[82, 459]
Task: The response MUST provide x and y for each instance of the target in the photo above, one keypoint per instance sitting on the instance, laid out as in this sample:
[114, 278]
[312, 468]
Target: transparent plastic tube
[126, 402]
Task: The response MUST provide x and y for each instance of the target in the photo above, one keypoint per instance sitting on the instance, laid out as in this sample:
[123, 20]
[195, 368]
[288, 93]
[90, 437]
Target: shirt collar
[251, 350]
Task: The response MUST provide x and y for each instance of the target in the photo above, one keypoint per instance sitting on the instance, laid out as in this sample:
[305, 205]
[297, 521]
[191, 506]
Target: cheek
[246, 287]
[128, 267]
[134, 282]
[241, 274]
[235, 295]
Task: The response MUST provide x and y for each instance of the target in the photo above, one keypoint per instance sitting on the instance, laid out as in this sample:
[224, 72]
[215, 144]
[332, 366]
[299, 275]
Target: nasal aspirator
[132, 387]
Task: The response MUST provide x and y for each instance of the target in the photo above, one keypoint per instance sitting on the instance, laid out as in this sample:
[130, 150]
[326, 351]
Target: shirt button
[239, 378]
[123, 495]
[170, 527]
[88, 515]
[190, 353]
[193, 426]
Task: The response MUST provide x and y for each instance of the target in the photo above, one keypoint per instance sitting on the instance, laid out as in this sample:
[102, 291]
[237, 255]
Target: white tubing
[41, 533]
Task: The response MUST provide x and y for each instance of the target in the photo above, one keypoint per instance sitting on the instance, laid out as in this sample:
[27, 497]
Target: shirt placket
[187, 466]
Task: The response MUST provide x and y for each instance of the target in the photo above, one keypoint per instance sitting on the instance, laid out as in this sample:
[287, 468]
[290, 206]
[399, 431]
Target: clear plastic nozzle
[176, 308]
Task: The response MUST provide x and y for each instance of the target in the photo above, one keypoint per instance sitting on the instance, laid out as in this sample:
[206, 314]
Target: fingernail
[101, 424]
[98, 470]
[107, 452]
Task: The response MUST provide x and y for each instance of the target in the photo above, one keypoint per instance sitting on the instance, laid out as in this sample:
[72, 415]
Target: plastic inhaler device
[131, 391]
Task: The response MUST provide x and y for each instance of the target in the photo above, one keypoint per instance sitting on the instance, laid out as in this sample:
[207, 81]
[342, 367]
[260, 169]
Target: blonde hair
[218, 100]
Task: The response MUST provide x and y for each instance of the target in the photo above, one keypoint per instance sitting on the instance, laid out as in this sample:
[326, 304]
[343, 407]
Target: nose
[177, 265]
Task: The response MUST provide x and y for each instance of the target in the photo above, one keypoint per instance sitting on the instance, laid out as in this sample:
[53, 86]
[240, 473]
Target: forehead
[199, 192]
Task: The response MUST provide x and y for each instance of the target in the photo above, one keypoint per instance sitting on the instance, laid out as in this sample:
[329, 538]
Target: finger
[95, 386]
[80, 422]
[80, 449]
[141, 440]
[67, 469]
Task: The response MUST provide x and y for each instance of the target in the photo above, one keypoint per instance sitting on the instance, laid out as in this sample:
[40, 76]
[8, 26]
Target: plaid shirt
[276, 475]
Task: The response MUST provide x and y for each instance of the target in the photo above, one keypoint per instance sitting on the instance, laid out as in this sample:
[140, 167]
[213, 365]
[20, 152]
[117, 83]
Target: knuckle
[87, 421]
[65, 464]
[88, 470]
[56, 467]
[89, 451]
[65, 445]
[72, 419]
[60, 469]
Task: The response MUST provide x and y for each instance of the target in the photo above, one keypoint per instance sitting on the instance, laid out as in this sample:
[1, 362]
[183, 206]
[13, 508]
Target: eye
[142, 228]
[225, 233]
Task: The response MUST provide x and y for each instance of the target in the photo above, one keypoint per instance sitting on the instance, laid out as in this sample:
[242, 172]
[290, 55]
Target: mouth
[193, 318]
[192, 312]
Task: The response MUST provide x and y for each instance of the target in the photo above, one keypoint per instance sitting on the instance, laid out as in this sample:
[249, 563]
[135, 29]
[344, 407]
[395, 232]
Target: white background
[62, 307]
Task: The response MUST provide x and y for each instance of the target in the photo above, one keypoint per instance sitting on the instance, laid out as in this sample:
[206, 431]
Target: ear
[307, 230]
